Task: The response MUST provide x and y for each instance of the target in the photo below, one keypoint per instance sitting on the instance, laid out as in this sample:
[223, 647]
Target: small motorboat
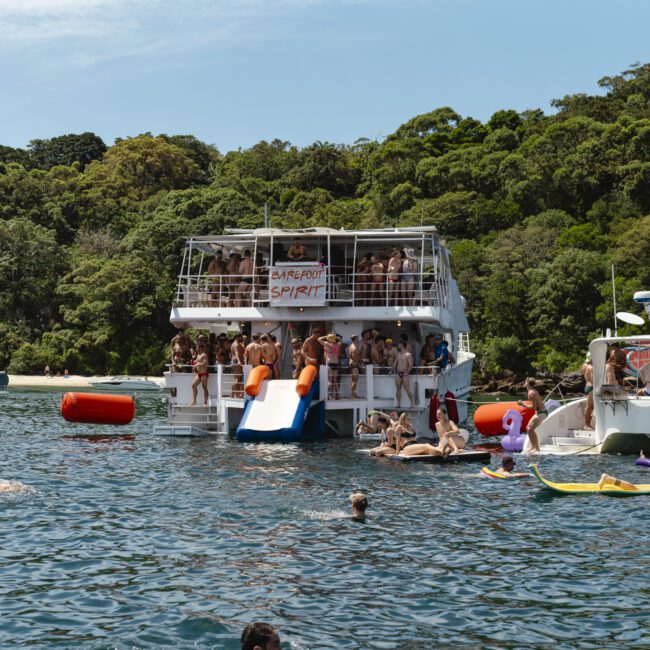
[125, 383]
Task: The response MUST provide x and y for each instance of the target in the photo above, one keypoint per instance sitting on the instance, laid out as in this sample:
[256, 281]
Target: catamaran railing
[342, 289]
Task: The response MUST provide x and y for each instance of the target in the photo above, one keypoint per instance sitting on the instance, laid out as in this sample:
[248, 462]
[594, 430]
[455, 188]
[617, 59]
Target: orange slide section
[91, 408]
[308, 376]
[255, 379]
[488, 418]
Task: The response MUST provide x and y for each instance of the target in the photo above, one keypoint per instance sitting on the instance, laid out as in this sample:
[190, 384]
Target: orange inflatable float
[308, 376]
[91, 408]
[255, 379]
[488, 418]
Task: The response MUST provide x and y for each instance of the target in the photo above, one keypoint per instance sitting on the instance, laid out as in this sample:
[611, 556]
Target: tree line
[534, 207]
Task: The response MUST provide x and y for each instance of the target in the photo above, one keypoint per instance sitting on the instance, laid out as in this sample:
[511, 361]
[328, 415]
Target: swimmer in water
[507, 465]
[359, 503]
[14, 486]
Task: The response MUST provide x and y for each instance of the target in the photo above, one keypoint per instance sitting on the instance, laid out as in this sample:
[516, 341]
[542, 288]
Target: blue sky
[233, 72]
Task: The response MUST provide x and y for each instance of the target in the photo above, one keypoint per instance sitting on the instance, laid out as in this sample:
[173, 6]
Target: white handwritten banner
[299, 285]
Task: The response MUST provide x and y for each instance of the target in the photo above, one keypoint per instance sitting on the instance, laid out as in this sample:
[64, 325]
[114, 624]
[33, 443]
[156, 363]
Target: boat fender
[434, 403]
[642, 462]
[91, 408]
[307, 377]
[255, 379]
[452, 407]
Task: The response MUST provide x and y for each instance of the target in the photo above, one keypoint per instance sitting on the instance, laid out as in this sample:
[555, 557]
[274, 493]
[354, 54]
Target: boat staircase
[573, 441]
[196, 421]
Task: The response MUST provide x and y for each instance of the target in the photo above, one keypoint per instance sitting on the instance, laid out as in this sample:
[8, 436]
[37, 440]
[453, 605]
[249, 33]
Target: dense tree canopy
[534, 207]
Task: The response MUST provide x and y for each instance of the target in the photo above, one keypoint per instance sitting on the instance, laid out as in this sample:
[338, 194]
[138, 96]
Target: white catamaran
[326, 290]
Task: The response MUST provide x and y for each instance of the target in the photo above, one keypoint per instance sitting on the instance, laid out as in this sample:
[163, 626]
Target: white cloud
[87, 32]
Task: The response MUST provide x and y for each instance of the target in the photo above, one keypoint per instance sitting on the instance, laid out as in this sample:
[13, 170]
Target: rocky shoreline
[569, 383]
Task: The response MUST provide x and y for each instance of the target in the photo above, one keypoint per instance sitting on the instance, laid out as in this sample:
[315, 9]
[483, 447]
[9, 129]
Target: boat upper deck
[275, 273]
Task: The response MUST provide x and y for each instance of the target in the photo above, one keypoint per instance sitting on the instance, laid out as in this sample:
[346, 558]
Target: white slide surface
[274, 407]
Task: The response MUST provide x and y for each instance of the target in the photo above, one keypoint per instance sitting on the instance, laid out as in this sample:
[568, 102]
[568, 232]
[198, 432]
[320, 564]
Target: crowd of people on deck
[389, 277]
[369, 348]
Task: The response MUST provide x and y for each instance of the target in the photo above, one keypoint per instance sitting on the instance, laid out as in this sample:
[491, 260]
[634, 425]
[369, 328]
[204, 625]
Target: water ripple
[129, 541]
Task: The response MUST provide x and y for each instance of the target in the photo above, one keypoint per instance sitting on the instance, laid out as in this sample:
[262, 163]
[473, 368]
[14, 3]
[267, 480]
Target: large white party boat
[325, 290]
[621, 410]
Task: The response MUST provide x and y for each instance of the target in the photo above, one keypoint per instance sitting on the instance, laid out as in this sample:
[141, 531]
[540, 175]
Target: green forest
[534, 207]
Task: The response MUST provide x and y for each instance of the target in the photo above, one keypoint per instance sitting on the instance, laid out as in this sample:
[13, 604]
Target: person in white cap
[587, 371]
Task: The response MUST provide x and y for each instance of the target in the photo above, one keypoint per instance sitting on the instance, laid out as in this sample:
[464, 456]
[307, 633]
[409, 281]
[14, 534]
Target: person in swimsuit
[540, 412]
[217, 267]
[587, 371]
[402, 366]
[449, 438]
[312, 349]
[507, 465]
[269, 352]
[409, 270]
[181, 354]
[277, 370]
[332, 346]
[618, 359]
[606, 479]
[233, 277]
[356, 364]
[363, 285]
[260, 636]
[245, 288]
[405, 435]
[297, 252]
[253, 352]
[394, 267]
[296, 357]
[390, 354]
[388, 446]
[237, 366]
[378, 280]
[200, 364]
[359, 503]
[427, 355]
[644, 378]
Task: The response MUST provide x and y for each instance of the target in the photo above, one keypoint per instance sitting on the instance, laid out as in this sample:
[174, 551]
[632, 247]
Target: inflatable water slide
[282, 410]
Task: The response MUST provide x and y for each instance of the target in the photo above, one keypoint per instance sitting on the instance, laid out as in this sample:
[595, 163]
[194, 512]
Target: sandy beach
[72, 381]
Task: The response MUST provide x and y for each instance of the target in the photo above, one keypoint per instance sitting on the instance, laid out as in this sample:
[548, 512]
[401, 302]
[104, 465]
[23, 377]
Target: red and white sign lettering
[300, 285]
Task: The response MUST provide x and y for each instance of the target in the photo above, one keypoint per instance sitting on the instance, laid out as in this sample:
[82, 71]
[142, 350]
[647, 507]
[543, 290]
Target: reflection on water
[135, 541]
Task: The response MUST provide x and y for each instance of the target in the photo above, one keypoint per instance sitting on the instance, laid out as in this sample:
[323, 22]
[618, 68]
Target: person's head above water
[508, 463]
[359, 503]
[260, 636]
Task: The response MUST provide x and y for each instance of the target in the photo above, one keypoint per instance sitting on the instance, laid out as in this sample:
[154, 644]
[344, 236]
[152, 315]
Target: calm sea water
[132, 541]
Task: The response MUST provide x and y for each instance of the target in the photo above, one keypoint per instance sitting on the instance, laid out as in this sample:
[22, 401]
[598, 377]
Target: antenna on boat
[614, 296]
[266, 214]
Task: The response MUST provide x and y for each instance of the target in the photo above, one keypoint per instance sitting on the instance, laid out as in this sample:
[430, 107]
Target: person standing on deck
[237, 366]
[356, 364]
[297, 252]
[200, 364]
[332, 347]
[260, 636]
[403, 365]
[390, 354]
[253, 352]
[245, 288]
[587, 371]
[427, 355]
[377, 279]
[217, 267]
[312, 349]
[277, 369]
[268, 353]
[377, 354]
[296, 357]
[618, 359]
[394, 267]
[540, 412]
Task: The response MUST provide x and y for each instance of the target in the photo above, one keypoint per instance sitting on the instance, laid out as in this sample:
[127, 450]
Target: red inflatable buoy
[91, 408]
[452, 407]
[488, 418]
[434, 403]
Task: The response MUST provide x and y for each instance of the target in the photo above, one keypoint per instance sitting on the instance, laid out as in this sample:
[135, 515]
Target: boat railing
[340, 289]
